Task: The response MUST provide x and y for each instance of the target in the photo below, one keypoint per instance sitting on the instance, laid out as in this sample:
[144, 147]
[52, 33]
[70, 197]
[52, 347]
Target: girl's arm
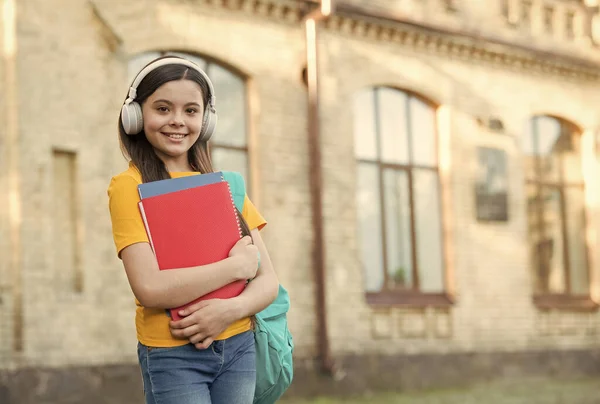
[263, 289]
[207, 319]
[166, 289]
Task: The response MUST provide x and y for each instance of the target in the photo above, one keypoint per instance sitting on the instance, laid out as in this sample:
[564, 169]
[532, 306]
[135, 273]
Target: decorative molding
[413, 324]
[381, 324]
[285, 10]
[351, 21]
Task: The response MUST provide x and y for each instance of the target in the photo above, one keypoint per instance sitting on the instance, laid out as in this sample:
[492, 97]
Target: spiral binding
[237, 216]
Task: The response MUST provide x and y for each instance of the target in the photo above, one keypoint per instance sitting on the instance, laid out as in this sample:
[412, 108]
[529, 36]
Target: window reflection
[369, 226]
[365, 139]
[422, 129]
[428, 225]
[578, 262]
[397, 228]
[392, 125]
[395, 146]
[553, 259]
[231, 103]
[555, 207]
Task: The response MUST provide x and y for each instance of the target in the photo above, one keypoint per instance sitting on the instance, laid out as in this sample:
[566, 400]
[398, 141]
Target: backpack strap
[237, 186]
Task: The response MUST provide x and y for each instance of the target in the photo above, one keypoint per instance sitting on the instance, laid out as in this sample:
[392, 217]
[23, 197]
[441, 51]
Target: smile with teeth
[174, 135]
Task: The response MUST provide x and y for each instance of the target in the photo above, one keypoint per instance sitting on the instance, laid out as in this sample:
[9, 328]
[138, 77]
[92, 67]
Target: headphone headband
[170, 61]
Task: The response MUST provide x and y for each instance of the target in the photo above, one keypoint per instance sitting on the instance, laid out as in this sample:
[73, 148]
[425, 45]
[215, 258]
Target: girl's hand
[246, 255]
[204, 321]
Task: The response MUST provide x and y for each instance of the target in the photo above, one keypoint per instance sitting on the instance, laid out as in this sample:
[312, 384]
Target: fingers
[176, 325]
[204, 344]
[246, 240]
[240, 245]
[184, 323]
[186, 332]
[253, 250]
[193, 308]
[198, 338]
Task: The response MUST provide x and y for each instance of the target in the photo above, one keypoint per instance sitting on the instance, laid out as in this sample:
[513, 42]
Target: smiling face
[172, 121]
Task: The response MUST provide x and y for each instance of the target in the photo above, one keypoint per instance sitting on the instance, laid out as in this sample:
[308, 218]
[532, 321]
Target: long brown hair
[138, 149]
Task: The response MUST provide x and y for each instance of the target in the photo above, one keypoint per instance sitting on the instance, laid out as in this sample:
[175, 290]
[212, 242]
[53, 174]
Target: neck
[179, 164]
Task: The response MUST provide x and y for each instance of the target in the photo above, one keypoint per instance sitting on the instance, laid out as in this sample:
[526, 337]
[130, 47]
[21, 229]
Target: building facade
[460, 207]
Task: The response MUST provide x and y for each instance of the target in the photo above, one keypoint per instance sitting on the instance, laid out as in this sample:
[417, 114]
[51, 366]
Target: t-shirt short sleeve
[127, 225]
[252, 215]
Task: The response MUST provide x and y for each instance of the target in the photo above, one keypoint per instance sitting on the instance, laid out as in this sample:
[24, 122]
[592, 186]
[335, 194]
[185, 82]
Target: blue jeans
[224, 373]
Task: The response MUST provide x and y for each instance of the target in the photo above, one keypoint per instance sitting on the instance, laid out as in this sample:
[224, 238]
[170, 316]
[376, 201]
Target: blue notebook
[155, 188]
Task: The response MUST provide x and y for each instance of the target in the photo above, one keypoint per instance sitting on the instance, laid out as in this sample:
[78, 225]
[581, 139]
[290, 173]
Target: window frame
[412, 295]
[546, 300]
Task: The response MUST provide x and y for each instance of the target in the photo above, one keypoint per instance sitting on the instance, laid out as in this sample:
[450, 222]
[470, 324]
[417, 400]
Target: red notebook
[193, 227]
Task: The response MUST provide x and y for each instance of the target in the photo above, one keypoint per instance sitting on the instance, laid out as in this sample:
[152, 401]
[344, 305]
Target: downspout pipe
[311, 22]
[10, 117]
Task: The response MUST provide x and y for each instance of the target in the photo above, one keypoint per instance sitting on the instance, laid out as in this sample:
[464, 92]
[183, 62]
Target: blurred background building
[455, 204]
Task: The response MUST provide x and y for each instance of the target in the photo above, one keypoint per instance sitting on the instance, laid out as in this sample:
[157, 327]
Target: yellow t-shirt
[152, 325]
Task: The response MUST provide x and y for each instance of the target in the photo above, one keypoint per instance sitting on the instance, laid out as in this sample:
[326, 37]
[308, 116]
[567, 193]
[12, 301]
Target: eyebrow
[170, 103]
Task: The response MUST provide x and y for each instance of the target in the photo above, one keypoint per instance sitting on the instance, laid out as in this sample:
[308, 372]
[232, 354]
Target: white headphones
[131, 112]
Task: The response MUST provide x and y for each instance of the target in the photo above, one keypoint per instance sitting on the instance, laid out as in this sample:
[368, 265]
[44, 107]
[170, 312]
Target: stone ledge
[362, 374]
[110, 384]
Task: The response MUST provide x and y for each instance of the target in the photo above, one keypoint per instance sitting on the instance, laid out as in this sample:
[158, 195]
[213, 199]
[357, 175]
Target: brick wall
[70, 89]
[493, 281]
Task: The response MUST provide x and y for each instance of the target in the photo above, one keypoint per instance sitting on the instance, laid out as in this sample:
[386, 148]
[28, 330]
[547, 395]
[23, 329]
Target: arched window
[556, 207]
[398, 193]
[229, 148]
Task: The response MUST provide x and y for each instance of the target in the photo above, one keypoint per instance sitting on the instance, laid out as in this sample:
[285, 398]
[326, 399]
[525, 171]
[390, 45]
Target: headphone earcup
[131, 117]
[209, 125]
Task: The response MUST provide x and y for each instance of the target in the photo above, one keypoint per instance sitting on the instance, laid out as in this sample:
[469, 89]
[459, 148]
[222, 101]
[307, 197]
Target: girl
[209, 355]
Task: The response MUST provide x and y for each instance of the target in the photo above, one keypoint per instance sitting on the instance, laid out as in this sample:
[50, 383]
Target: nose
[176, 120]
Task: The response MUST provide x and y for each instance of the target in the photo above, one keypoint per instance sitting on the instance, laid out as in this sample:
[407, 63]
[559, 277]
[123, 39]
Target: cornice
[357, 23]
[284, 10]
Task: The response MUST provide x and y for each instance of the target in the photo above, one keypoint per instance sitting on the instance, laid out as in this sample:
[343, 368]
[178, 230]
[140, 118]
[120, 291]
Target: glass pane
[196, 59]
[422, 133]
[552, 243]
[529, 149]
[369, 225]
[231, 106]
[547, 145]
[571, 158]
[230, 160]
[137, 63]
[365, 138]
[397, 229]
[539, 248]
[578, 264]
[428, 226]
[391, 106]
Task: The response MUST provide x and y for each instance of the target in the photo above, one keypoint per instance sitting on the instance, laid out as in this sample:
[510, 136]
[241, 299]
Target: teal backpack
[274, 343]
